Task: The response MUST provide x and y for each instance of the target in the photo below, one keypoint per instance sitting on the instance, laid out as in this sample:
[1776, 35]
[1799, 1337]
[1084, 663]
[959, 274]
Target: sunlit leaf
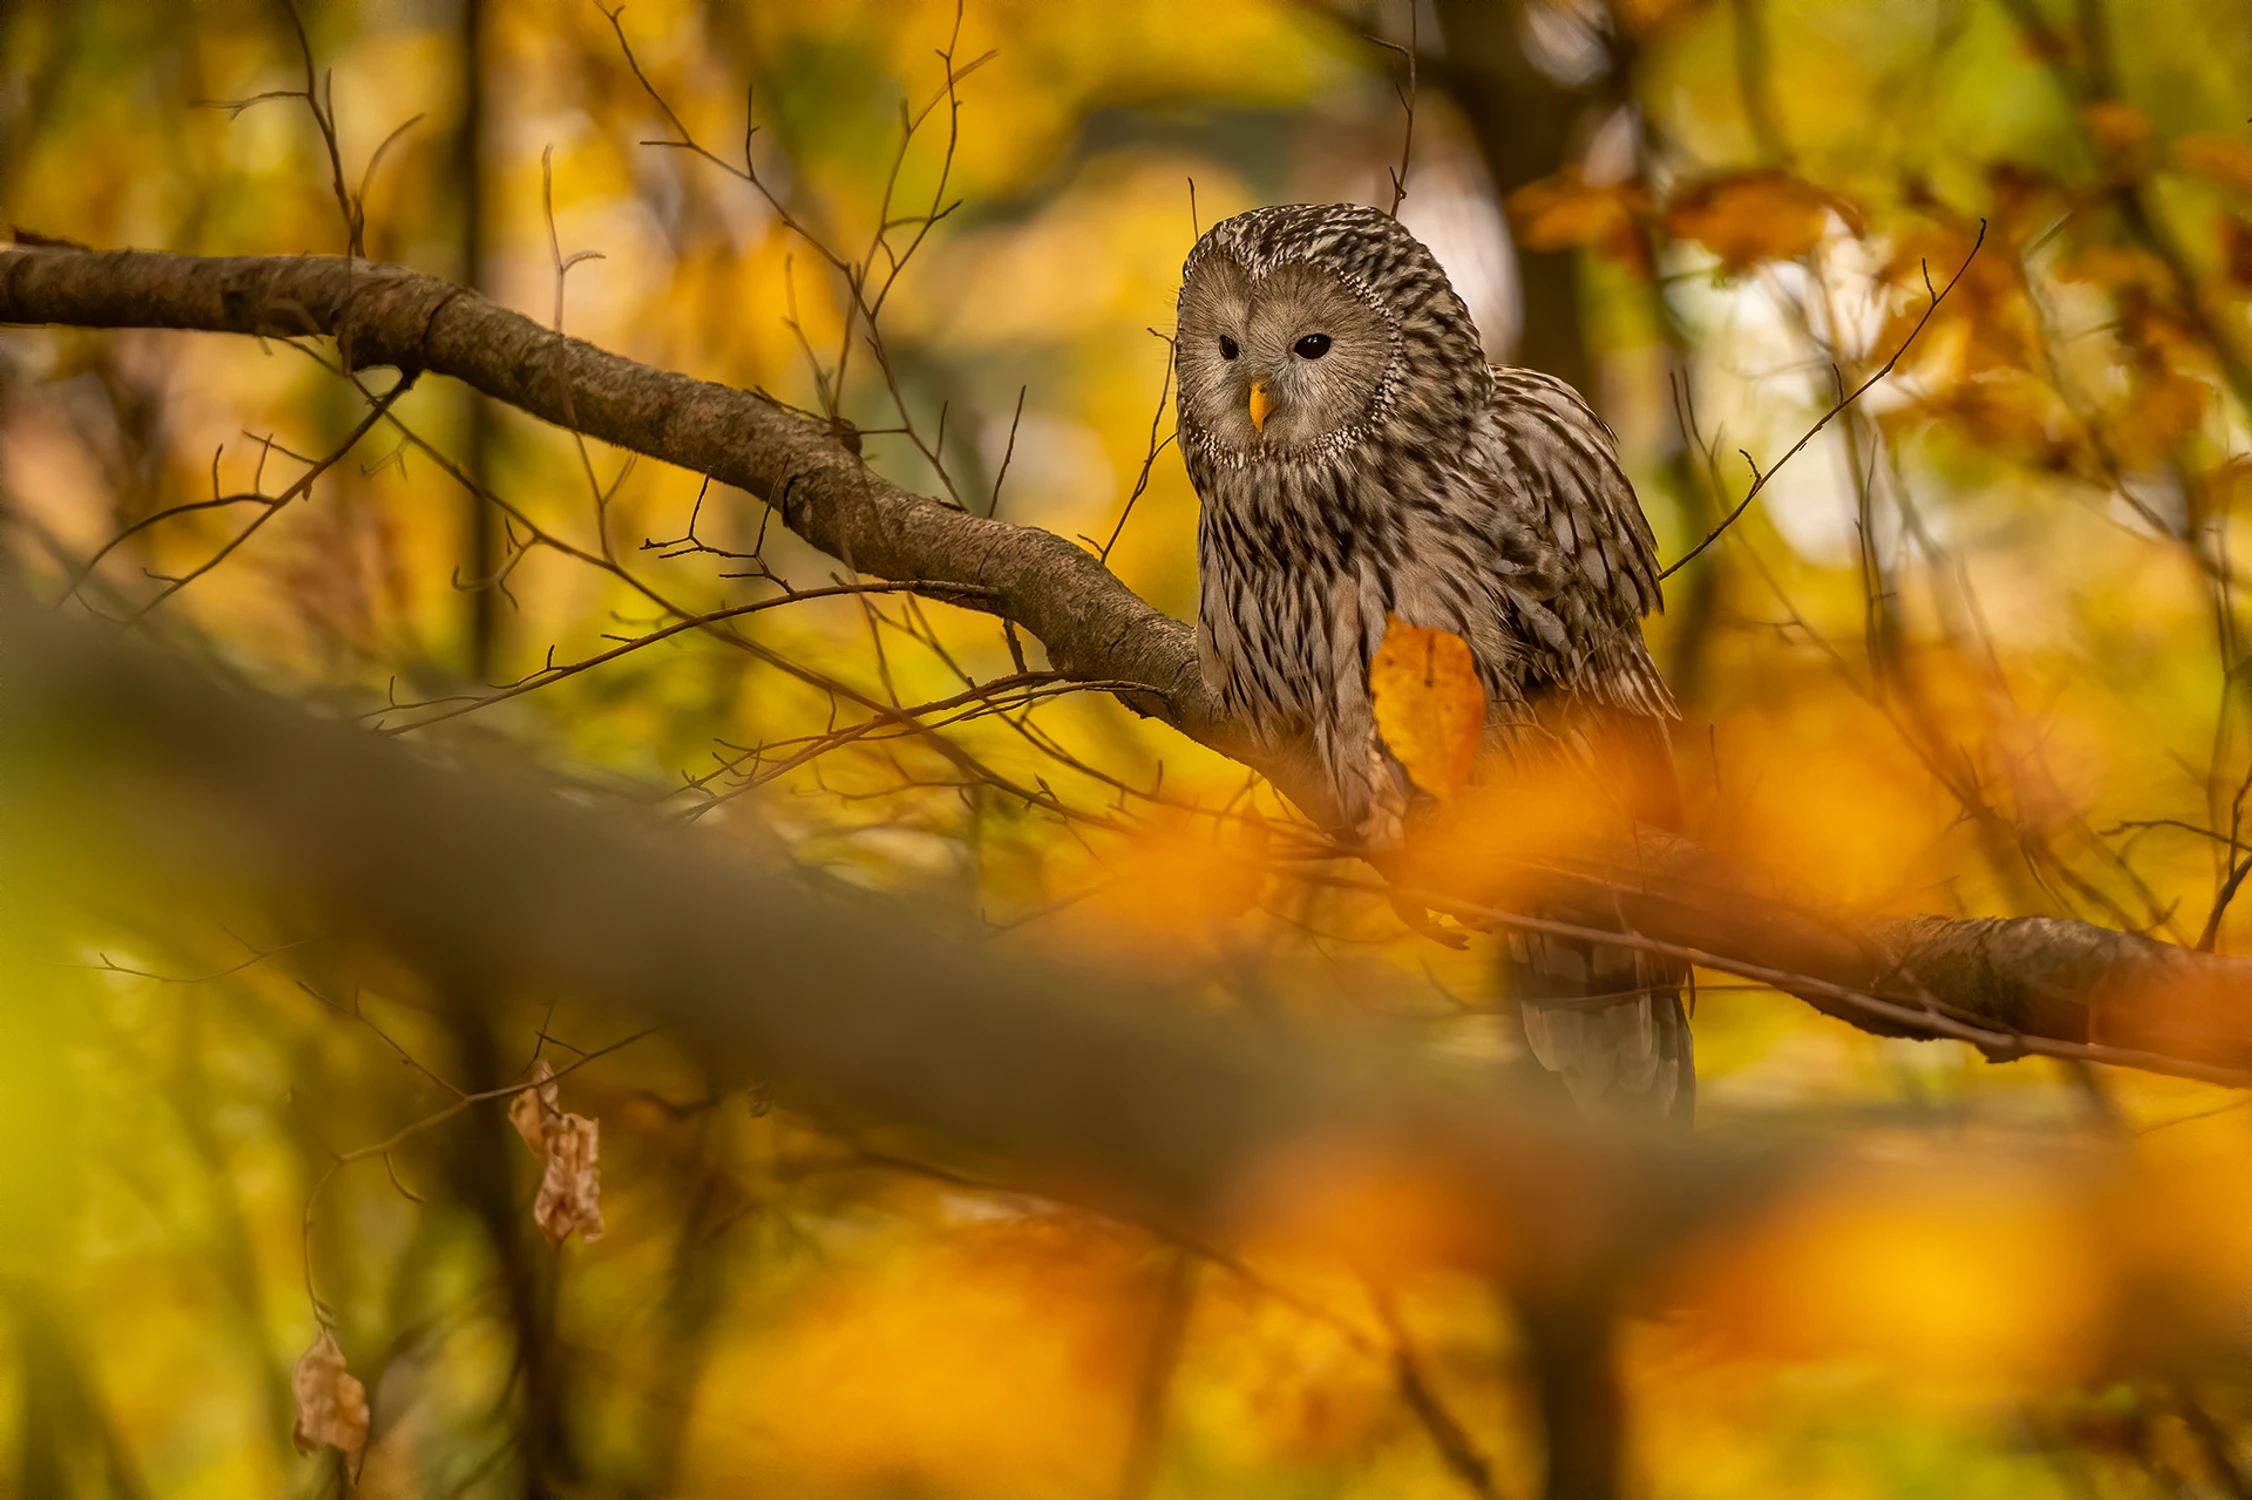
[1430, 706]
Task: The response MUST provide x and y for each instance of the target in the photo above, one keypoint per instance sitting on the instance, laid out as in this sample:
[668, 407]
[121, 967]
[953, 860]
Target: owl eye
[1312, 346]
[1228, 349]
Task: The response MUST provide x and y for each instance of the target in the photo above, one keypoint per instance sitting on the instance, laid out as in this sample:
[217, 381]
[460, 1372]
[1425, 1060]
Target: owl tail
[1609, 1022]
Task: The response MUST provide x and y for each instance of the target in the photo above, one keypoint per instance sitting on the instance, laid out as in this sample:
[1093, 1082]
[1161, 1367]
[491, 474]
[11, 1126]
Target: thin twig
[1759, 480]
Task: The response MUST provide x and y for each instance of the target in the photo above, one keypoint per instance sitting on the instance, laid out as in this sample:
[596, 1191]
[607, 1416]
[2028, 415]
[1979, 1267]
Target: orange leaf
[1744, 217]
[1562, 212]
[1430, 706]
[332, 1406]
[2217, 158]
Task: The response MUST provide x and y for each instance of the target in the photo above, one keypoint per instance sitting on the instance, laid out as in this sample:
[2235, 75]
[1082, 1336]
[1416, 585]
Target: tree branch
[1085, 1084]
[1093, 626]
[2024, 985]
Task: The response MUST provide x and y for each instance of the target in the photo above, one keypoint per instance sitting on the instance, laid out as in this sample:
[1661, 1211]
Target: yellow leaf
[332, 1406]
[2217, 158]
[1430, 707]
[1744, 217]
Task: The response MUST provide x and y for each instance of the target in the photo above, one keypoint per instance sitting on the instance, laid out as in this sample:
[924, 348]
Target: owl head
[1310, 329]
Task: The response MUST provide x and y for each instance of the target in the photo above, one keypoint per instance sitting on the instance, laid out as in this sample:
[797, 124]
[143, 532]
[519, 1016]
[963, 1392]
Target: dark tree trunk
[1523, 120]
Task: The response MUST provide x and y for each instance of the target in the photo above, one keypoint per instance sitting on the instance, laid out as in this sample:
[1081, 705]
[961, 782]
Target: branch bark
[2013, 986]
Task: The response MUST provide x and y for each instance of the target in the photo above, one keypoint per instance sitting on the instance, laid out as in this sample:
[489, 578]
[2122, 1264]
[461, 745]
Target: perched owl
[1357, 459]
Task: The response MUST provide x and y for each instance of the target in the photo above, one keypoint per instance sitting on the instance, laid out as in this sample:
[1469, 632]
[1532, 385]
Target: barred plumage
[1356, 458]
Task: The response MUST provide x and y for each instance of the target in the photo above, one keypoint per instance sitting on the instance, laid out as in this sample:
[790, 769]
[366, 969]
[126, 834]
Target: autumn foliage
[285, 1213]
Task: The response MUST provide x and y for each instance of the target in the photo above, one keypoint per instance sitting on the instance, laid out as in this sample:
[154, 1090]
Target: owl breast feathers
[1357, 459]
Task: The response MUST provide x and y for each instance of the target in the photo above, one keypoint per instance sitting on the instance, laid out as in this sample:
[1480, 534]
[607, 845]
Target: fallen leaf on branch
[332, 1406]
[569, 1148]
[1430, 706]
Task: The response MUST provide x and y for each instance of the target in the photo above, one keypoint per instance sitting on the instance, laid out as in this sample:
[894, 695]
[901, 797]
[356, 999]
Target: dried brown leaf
[332, 1406]
[570, 1194]
[569, 1148]
[530, 1110]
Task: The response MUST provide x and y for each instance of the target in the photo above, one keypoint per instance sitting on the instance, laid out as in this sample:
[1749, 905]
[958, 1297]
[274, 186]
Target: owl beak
[1260, 406]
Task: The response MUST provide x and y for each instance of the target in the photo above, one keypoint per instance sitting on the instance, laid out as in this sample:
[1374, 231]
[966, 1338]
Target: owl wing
[1582, 563]
[1573, 571]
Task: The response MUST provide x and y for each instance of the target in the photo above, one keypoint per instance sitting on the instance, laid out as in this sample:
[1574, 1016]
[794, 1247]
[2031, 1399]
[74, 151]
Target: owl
[1356, 460]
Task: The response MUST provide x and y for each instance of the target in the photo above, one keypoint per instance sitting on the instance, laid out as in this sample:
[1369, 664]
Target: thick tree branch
[2024, 985]
[1093, 626]
[129, 772]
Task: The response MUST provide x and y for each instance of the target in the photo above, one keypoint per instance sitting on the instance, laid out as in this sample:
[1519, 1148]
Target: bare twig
[1406, 94]
[1156, 446]
[1759, 479]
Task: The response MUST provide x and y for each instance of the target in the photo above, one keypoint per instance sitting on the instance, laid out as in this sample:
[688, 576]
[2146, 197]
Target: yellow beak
[1260, 406]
